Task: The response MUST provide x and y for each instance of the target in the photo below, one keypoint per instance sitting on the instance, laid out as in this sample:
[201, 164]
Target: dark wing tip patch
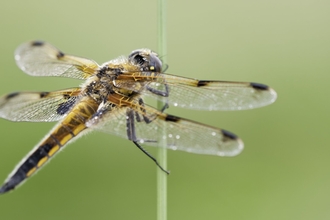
[59, 55]
[43, 94]
[229, 135]
[37, 43]
[172, 118]
[201, 83]
[259, 86]
[11, 95]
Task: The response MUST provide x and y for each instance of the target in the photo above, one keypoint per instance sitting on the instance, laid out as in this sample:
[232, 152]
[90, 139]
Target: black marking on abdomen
[12, 95]
[30, 163]
[201, 83]
[57, 141]
[259, 86]
[47, 147]
[172, 118]
[68, 130]
[36, 156]
[229, 135]
[16, 179]
[37, 43]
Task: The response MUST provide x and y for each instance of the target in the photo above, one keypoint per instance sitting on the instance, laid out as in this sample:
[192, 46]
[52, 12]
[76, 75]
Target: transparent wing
[198, 94]
[180, 134]
[39, 58]
[38, 106]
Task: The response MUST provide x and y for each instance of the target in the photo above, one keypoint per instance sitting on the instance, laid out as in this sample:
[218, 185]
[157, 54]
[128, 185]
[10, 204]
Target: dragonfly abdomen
[62, 133]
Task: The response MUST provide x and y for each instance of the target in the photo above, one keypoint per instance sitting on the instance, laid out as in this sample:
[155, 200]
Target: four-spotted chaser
[112, 100]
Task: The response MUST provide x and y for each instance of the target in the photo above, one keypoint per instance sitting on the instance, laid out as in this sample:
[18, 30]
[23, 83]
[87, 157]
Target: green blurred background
[283, 173]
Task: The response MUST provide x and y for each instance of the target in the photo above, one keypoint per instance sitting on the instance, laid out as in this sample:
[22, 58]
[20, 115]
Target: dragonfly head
[146, 60]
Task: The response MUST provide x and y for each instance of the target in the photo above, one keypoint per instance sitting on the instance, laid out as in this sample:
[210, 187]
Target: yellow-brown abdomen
[61, 134]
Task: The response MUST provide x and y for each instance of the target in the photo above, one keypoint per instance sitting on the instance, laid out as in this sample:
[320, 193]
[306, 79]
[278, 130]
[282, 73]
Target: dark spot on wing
[59, 55]
[37, 43]
[64, 107]
[202, 83]
[259, 86]
[172, 118]
[43, 94]
[66, 96]
[12, 95]
[229, 135]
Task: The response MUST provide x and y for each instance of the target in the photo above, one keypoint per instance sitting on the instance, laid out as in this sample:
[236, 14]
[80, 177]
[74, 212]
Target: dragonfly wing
[39, 58]
[150, 126]
[199, 94]
[38, 106]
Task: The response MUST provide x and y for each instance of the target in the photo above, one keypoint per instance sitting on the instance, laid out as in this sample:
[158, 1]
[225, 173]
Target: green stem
[162, 153]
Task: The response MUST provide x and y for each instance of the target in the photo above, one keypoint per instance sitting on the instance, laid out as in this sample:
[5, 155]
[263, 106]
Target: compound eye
[138, 59]
[155, 64]
[146, 60]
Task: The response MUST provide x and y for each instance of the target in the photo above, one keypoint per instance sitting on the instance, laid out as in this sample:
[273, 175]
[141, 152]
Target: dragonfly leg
[166, 106]
[132, 137]
[161, 93]
[145, 118]
[151, 157]
[158, 92]
[164, 68]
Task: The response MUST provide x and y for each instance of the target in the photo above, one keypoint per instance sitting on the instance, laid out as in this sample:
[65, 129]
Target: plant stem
[162, 152]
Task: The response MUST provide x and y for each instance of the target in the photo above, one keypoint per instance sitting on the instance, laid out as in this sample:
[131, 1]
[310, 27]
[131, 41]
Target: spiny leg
[161, 93]
[158, 92]
[151, 157]
[145, 118]
[132, 137]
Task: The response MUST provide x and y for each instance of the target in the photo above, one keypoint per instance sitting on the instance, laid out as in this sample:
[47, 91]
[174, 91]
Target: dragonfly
[112, 100]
